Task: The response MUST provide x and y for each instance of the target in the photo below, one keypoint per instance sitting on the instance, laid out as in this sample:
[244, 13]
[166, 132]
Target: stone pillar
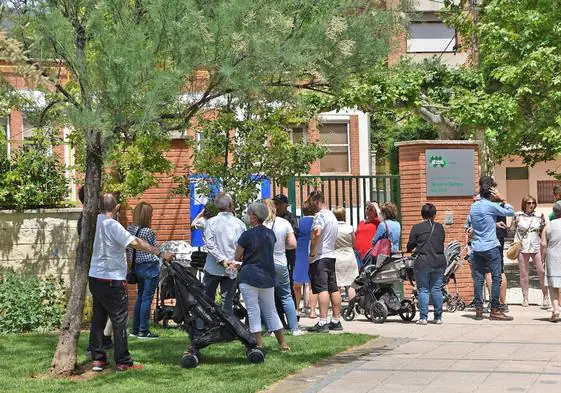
[452, 210]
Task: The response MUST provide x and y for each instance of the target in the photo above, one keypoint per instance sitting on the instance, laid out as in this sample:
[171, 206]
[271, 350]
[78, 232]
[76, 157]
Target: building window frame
[451, 44]
[346, 122]
[545, 191]
[7, 133]
[304, 139]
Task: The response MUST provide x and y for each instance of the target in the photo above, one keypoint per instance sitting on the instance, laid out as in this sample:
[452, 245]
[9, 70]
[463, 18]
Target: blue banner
[198, 200]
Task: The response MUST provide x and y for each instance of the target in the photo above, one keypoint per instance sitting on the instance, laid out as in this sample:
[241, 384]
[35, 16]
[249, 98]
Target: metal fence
[350, 192]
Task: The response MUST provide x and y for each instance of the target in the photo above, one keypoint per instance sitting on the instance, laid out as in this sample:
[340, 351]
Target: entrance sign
[450, 172]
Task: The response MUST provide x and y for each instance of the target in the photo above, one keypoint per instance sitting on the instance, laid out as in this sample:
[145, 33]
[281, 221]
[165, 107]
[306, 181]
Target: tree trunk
[64, 360]
[486, 166]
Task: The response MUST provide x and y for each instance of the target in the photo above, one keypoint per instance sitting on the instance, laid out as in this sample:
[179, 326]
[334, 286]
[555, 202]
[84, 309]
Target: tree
[520, 60]
[150, 66]
[239, 149]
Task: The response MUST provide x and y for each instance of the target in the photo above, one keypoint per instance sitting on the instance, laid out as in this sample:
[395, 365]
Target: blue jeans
[429, 282]
[492, 260]
[282, 290]
[227, 289]
[148, 274]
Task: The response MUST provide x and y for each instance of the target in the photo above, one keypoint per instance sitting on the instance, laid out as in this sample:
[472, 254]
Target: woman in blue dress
[300, 275]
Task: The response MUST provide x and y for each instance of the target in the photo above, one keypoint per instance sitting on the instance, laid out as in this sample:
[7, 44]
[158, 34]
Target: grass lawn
[224, 368]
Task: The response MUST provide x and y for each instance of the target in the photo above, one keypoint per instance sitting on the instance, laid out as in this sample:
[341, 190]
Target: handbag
[383, 246]
[514, 249]
[131, 274]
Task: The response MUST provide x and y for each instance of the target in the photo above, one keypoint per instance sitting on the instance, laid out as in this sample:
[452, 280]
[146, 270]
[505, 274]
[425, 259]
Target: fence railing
[350, 192]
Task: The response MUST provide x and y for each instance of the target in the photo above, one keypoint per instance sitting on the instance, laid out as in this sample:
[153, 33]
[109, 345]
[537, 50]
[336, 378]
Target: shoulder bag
[384, 245]
[514, 249]
[131, 275]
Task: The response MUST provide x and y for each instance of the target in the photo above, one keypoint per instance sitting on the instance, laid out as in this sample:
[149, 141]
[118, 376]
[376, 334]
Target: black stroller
[204, 320]
[376, 297]
[165, 291]
[194, 261]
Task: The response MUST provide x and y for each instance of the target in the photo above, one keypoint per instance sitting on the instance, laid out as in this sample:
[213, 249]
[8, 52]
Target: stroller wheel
[450, 306]
[255, 355]
[407, 311]
[378, 312]
[348, 314]
[461, 305]
[360, 310]
[189, 360]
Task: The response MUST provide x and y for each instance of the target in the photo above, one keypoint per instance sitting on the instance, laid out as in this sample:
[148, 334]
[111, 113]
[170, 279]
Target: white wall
[39, 242]
[538, 172]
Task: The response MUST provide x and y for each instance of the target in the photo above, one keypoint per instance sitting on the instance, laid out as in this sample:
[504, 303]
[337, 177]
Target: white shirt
[108, 258]
[282, 228]
[528, 231]
[221, 238]
[325, 220]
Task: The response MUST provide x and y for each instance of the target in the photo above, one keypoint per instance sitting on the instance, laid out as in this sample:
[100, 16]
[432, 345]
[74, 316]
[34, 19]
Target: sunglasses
[530, 203]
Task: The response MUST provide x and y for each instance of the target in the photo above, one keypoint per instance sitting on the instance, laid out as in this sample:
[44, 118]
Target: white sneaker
[422, 322]
[525, 303]
[297, 332]
[546, 304]
[438, 321]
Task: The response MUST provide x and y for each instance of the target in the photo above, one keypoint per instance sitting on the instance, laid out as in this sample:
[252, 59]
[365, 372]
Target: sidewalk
[462, 355]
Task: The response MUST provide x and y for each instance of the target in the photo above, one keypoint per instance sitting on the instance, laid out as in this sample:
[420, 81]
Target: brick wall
[414, 195]
[170, 219]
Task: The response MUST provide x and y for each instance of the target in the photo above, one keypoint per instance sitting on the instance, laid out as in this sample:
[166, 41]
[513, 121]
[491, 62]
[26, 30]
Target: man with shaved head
[107, 281]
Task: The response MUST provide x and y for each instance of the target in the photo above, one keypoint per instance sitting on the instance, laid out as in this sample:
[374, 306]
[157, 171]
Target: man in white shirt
[107, 282]
[221, 238]
[322, 264]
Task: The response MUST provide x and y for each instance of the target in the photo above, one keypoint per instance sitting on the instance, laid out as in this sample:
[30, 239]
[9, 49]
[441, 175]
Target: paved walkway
[462, 355]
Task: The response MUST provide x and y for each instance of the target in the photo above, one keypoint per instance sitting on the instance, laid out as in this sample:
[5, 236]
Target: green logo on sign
[438, 161]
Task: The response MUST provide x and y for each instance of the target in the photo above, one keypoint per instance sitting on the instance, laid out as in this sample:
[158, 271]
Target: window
[199, 140]
[4, 126]
[28, 128]
[430, 36]
[5, 133]
[517, 173]
[545, 190]
[335, 136]
[298, 134]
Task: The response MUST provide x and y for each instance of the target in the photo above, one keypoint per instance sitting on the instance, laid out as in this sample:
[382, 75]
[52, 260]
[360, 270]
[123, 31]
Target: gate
[350, 192]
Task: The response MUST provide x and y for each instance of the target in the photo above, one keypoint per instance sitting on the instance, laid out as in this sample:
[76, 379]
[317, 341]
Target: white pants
[257, 301]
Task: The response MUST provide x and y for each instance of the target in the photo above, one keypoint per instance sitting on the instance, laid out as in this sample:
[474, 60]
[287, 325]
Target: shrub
[33, 176]
[30, 304]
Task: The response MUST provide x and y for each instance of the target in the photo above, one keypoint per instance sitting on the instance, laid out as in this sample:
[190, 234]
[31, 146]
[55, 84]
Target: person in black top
[502, 233]
[427, 239]
[257, 274]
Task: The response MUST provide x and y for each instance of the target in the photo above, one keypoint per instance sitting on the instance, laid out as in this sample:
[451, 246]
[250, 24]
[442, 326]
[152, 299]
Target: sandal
[284, 348]
[554, 317]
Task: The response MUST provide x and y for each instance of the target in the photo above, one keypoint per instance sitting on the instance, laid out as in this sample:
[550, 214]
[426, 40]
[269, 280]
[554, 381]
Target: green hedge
[30, 304]
[33, 176]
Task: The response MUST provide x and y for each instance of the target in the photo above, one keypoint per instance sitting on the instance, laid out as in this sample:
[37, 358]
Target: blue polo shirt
[483, 217]
[258, 268]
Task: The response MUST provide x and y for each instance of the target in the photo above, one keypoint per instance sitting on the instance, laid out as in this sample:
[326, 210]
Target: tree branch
[306, 86]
